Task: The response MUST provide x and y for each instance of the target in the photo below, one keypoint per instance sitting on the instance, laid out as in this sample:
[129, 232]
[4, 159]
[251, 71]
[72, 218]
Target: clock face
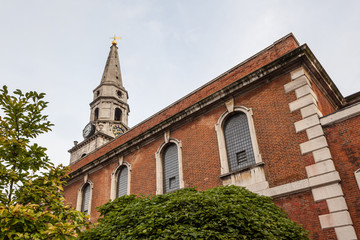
[89, 130]
[118, 129]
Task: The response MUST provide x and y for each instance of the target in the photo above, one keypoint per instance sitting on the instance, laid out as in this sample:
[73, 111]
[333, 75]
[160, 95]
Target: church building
[275, 123]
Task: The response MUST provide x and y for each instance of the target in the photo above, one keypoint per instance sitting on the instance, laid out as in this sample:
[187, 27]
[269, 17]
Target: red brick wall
[344, 142]
[302, 209]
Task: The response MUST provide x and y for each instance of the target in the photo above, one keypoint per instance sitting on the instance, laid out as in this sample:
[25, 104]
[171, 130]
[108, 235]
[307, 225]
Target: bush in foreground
[227, 212]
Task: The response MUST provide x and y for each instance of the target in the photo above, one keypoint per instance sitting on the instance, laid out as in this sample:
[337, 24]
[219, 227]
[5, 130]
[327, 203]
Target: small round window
[119, 93]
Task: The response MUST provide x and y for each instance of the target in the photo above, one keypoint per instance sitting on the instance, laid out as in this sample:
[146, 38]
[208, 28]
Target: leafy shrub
[227, 212]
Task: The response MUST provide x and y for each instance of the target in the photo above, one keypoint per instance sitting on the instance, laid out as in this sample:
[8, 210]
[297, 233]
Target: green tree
[31, 201]
[227, 212]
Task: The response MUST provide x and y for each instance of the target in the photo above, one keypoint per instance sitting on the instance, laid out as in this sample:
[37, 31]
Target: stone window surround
[114, 177]
[221, 138]
[159, 165]
[357, 177]
[80, 194]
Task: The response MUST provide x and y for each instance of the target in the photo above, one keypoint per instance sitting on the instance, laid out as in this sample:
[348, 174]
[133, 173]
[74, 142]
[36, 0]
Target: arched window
[96, 114]
[170, 164]
[122, 181]
[85, 203]
[238, 142]
[239, 154]
[117, 114]
[169, 173]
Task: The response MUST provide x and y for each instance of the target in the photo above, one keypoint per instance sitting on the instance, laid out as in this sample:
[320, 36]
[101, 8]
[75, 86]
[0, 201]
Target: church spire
[112, 73]
[109, 108]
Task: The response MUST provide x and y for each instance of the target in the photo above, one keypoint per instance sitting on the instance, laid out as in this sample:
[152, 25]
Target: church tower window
[119, 93]
[96, 114]
[117, 114]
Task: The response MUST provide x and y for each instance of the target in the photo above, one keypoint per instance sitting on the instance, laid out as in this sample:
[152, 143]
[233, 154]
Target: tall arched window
[96, 114]
[85, 198]
[122, 181]
[117, 114]
[170, 164]
[238, 142]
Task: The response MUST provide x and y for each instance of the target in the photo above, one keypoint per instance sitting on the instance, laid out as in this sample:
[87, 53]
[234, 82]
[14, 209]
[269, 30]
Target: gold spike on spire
[114, 41]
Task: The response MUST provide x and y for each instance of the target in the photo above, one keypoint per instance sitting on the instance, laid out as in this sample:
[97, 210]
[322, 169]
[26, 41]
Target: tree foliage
[31, 201]
[227, 212]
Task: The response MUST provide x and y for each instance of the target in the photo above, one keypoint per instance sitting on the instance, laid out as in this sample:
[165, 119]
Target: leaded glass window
[85, 198]
[170, 163]
[239, 147]
[122, 182]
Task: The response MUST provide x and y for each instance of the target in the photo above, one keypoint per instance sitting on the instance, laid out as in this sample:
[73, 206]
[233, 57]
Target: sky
[168, 49]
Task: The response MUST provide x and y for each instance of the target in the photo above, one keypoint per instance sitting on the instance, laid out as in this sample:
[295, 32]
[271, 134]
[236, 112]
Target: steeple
[112, 73]
[109, 109]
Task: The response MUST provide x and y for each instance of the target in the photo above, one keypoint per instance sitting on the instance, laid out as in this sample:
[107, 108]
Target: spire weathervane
[114, 41]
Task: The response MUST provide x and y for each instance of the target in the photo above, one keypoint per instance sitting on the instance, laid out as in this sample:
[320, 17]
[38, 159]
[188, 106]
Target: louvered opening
[122, 182]
[170, 168]
[172, 183]
[86, 199]
[241, 157]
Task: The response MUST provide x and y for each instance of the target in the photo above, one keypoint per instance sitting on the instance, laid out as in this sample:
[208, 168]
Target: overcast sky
[168, 49]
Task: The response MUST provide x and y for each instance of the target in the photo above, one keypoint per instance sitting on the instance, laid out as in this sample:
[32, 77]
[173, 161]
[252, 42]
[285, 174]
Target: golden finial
[114, 41]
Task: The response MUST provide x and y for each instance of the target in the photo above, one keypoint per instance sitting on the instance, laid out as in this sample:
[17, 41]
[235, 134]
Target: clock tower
[109, 109]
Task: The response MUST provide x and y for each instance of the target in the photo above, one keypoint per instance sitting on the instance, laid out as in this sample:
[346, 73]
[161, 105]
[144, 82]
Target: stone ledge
[314, 132]
[323, 179]
[286, 189]
[322, 154]
[257, 187]
[302, 102]
[327, 192]
[297, 73]
[320, 168]
[313, 144]
[306, 123]
[345, 233]
[336, 204]
[341, 115]
[336, 219]
[305, 90]
[310, 110]
[295, 84]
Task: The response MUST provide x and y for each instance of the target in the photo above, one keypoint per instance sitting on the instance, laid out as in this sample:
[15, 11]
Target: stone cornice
[109, 97]
[111, 84]
[86, 141]
[322, 79]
